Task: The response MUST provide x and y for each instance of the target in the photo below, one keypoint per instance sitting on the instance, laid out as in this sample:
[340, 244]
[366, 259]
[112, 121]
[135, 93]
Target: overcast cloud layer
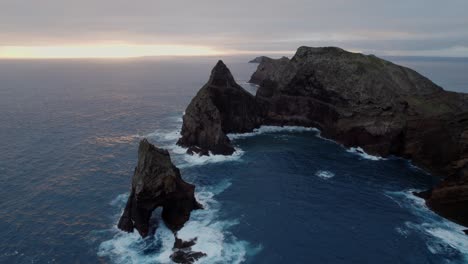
[398, 27]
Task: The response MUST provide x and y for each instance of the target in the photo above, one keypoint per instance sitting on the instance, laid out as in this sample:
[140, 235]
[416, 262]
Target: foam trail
[196, 160]
[271, 130]
[442, 236]
[324, 174]
[359, 151]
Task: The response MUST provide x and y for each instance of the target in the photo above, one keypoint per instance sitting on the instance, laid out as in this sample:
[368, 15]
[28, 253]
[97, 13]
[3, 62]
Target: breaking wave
[359, 151]
[212, 233]
[442, 237]
[271, 130]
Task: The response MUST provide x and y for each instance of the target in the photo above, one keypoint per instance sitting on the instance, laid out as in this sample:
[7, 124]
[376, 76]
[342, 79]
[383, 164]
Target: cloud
[373, 26]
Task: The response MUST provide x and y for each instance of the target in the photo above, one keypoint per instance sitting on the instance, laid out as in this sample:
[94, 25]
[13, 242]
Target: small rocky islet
[355, 99]
[157, 183]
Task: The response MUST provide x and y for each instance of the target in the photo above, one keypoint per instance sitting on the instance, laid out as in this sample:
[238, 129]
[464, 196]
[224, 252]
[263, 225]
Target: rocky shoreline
[357, 100]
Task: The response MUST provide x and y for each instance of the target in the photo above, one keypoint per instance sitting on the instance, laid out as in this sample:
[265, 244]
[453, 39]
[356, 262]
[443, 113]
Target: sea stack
[156, 183]
[358, 100]
[220, 107]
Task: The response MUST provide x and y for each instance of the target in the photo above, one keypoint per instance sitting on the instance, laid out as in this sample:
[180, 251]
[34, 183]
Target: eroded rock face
[157, 183]
[450, 197]
[366, 101]
[220, 107]
[355, 99]
[384, 108]
[261, 59]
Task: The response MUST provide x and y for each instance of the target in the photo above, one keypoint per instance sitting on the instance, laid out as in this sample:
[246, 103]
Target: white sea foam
[197, 160]
[120, 199]
[167, 138]
[213, 236]
[359, 151]
[163, 135]
[271, 130]
[324, 174]
[441, 235]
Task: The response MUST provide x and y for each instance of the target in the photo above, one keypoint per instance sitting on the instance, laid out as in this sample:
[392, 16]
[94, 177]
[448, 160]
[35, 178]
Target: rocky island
[355, 99]
[157, 183]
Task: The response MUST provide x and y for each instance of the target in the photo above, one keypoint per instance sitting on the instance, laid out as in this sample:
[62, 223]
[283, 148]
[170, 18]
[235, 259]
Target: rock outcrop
[355, 99]
[183, 251]
[157, 183]
[258, 59]
[261, 59]
[449, 198]
[220, 107]
[384, 108]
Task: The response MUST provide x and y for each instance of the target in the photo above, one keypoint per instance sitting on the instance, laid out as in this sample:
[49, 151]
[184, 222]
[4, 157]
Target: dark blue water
[69, 132]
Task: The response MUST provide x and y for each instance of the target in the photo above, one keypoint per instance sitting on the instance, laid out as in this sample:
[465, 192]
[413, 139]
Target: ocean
[69, 132]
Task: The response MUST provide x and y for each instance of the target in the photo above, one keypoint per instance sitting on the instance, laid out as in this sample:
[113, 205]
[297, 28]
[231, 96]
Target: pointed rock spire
[221, 75]
[220, 107]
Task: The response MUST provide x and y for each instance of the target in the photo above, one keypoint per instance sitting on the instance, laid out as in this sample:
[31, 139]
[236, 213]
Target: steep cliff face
[355, 99]
[220, 107]
[387, 109]
[157, 183]
[365, 101]
[450, 197]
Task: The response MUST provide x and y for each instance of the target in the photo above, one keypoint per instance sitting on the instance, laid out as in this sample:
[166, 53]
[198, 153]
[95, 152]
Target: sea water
[69, 133]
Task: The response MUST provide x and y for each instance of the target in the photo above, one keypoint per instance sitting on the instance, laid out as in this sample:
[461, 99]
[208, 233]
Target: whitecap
[441, 235]
[167, 139]
[271, 130]
[198, 160]
[359, 151]
[163, 135]
[132, 249]
[120, 199]
[324, 174]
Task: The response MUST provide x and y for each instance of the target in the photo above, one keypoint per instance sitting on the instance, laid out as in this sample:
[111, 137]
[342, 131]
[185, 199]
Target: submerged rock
[183, 251]
[220, 107]
[358, 100]
[157, 183]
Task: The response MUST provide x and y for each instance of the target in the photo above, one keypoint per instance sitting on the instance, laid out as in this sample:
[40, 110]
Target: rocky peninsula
[261, 59]
[355, 99]
[157, 183]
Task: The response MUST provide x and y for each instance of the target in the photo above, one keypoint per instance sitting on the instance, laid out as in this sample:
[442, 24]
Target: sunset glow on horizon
[103, 51]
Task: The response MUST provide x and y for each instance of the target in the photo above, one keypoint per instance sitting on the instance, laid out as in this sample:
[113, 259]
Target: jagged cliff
[355, 99]
[157, 183]
[220, 107]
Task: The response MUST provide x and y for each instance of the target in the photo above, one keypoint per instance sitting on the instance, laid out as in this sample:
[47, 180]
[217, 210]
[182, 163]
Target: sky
[124, 28]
